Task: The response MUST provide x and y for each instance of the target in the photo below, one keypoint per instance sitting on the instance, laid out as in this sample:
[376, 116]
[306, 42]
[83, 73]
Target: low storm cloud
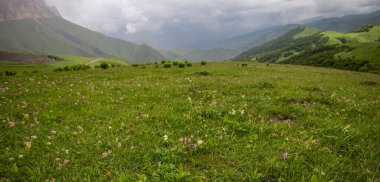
[161, 22]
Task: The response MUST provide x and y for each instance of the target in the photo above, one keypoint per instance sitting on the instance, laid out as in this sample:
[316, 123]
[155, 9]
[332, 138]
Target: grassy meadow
[214, 122]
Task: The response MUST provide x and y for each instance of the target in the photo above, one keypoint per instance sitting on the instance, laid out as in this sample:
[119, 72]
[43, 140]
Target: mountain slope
[341, 24]
[346, 23]
[54, 35]
[352, 51]
[247, 41]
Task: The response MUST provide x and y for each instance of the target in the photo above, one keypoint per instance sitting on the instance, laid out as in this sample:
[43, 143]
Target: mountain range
[30, 26]
[234, 46]
[356, 51]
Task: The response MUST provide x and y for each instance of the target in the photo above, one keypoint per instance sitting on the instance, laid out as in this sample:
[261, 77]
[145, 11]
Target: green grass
[72, 60]
[125, 124]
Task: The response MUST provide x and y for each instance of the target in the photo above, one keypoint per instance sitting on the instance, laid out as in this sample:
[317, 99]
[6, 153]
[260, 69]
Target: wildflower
[20, 156]
[119, 145]
[28, 144]
[78, 142]
[53, 132]
[11, 124]
[57, 159]
[233, 112]
[165, 137]
[192, 146]
[33, 137]
[67, 151]
[104, 155]
[242, 112]
[49, 143]
[11, 159]
[284, 155]
[66, 161]
[200, 142]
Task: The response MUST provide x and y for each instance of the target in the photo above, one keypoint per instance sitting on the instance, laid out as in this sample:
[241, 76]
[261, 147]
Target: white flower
[200, 142]
[33, 137]
[49, 143]
[166, 137]
[53, 132]
[20, 156]
[11, 159]
[242, 112]
[67, 151]
[233, 112]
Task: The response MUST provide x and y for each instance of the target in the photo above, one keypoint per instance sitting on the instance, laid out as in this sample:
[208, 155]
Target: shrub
[35, 71]
[164, 61]
[66, 68]
[203, 73]
[244, 64]
[203, 63]
[59, 69]
[167, 65]
[104, 66]
[181, 65]
[10, 73]
[115, 65]
[135, 65]
[175, 63]
[189, 64]
[80, 67]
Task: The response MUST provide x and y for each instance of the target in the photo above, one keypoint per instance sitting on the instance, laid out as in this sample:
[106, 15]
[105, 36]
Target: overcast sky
[190, 23]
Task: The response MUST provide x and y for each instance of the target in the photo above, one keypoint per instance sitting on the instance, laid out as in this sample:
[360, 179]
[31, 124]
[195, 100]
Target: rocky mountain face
[25, 9]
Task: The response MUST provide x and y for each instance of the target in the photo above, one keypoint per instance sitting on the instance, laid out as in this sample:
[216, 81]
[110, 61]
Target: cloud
[161, 20]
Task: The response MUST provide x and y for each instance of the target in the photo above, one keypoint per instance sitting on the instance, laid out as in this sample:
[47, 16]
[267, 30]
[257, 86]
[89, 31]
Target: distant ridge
[38, 29]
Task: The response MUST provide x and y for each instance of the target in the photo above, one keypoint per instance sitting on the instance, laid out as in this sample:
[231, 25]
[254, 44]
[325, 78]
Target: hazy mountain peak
[25, 9]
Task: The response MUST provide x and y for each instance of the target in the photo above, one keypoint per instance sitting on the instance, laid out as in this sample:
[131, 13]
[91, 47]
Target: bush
[66, 68]
[167, 65]
[80, 67]
[104, 66]
[10, 73]
[164, 61]
[244, 64]
[189, 64]
[203, 73]
[175, 63]
[181, 65]
[203, 63]
[135, 65]
[59, 69]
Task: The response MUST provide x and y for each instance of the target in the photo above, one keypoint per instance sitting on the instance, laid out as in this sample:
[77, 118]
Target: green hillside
[359, 51]
[348, 23]
[341, 24]
[58, 36]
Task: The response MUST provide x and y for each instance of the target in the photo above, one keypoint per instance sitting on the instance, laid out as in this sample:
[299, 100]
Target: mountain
[341, 24]
[247, 41]
[358, 51]
[348, 23]
[30, 26]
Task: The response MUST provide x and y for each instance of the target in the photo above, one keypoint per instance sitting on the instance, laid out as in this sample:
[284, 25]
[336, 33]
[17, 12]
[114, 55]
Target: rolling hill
[341, 24]
[358, 51]
[50, 34]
